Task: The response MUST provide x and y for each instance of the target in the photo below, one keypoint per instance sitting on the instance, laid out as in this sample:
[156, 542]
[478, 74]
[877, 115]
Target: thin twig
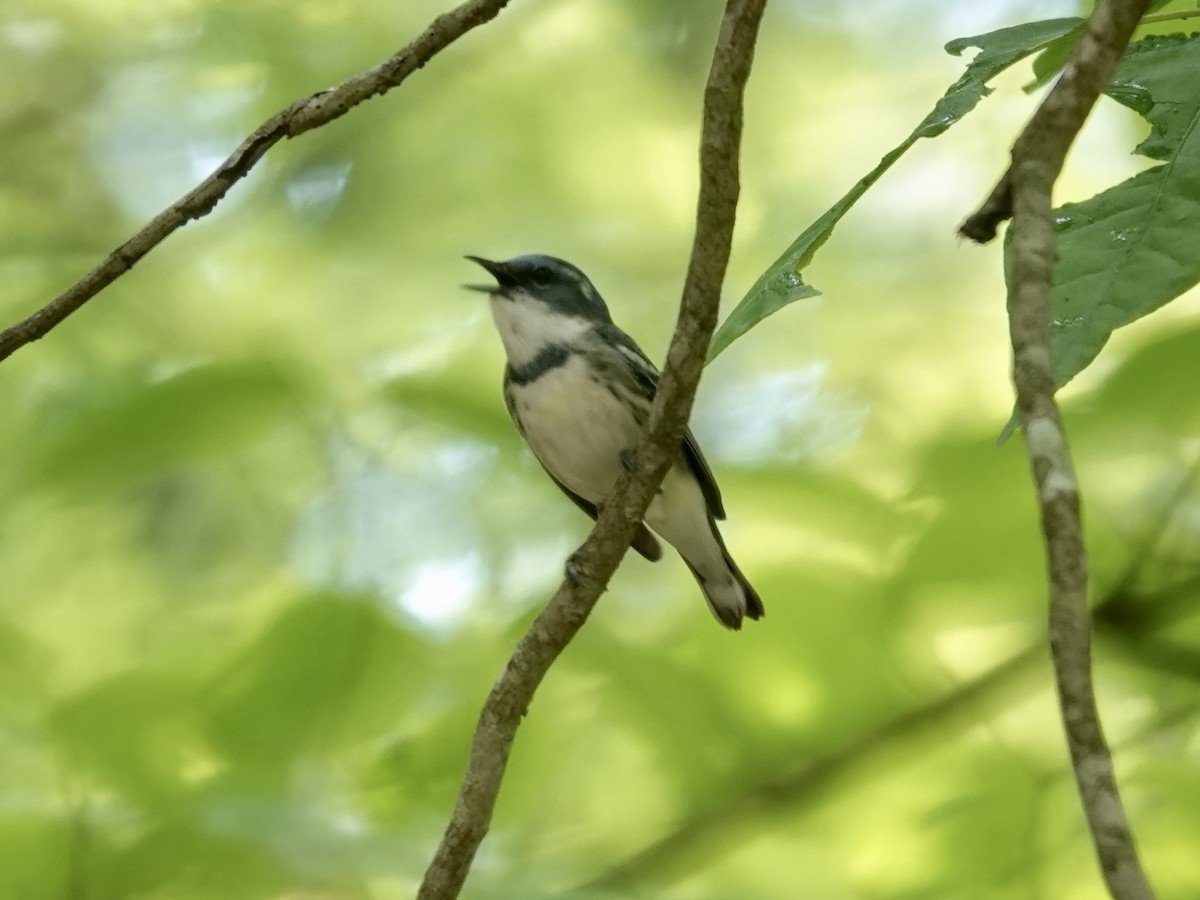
[594, 563]
[303, 115]
[1177, 16]
[1037, 159]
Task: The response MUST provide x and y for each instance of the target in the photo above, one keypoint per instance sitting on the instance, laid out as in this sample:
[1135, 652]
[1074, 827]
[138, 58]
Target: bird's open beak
[497, 271]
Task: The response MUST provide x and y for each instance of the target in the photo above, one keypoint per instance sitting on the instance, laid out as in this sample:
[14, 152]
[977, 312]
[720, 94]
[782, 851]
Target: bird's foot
[628, 460]
[573, 569]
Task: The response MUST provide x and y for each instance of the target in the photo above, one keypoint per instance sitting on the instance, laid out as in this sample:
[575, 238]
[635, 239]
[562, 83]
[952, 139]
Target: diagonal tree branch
[717, 829]
[1037, 159]
[303, 115]
[594, 563]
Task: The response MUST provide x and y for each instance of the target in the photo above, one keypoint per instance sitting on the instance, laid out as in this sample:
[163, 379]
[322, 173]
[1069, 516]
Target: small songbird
[579, 391]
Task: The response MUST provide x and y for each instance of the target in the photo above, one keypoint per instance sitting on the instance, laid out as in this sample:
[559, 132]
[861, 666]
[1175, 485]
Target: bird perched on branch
[579, 391]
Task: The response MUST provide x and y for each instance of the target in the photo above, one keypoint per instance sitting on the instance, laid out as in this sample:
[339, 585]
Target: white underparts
[577, 427]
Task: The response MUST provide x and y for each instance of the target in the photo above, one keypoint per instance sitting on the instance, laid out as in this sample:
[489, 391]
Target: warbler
[579, 391]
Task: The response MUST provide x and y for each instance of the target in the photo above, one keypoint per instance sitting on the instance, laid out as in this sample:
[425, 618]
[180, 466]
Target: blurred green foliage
[268, 537]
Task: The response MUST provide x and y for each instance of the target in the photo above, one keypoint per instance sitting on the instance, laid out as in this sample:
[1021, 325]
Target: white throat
[527, 327]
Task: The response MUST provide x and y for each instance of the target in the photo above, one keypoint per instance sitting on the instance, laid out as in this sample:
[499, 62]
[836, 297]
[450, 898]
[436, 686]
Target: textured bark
[1025, 194]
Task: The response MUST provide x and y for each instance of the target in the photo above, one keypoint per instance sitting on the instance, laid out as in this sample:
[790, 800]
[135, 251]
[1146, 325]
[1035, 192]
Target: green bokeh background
[268, 537]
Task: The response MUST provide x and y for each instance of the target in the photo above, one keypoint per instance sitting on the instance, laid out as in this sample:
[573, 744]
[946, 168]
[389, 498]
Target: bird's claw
[572, 570]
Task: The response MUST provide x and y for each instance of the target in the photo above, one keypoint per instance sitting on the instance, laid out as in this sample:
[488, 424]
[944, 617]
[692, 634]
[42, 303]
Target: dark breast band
[550, 357]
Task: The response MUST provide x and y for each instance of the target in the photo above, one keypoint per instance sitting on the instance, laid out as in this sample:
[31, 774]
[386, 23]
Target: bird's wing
[643, 541]
[647, 377]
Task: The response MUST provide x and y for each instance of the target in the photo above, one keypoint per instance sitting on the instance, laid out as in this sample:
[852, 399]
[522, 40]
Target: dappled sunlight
[782, 694]
[158, 128]
[439, 593]
[774, 417]
[34, 36]
[971, 650]
[407, 539]
[316, 191]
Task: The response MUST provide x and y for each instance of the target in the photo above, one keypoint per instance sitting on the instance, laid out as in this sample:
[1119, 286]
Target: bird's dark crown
[549, 280]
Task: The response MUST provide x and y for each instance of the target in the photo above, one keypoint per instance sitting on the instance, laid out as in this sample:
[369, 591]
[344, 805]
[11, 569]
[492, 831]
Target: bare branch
[594, 563]
[1037, 159]
[303, 115]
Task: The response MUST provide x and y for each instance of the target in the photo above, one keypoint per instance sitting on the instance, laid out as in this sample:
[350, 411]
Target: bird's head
[540, 300]
[544, 281]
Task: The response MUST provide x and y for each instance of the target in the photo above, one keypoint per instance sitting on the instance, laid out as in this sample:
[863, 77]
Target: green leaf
[329, 671]
[36, 854]
[25, 664]
[995, 788]
[1052, 58]
[130, 732]
[201, 413]
[1132, 248]
[1132, 405]
[998, 554]
[1055, 54]
[1002, 48]
[783, 282]
[462, 408]
[187, 862]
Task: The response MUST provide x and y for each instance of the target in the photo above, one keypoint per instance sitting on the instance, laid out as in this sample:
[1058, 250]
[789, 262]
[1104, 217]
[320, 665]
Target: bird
[579, 391]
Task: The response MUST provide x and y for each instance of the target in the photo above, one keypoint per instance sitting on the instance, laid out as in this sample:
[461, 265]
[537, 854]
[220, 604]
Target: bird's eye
[543, 275]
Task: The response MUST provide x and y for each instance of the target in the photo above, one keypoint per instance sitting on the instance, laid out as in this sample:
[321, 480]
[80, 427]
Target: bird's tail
[754, 604]
[729, 595]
